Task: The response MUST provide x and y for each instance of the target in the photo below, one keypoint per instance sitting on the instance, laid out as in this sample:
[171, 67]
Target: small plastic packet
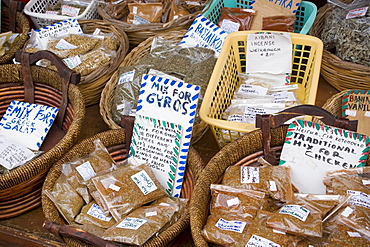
[351, 227]
[258, 234]
[127, 188]
[226, 229]
[227, 199]
[73, 8]
[80, 170]
[178, 203]
[176, 11]
[141, 224]
[93, 214]
[14, 154]
[282, 23]
[272, 180]
[301, 216]
[339, 182]
[144, 13]
[68, 202]
[236, 19]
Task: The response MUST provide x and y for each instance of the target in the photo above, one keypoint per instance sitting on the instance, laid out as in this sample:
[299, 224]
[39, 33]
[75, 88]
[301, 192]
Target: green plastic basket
[305, 14]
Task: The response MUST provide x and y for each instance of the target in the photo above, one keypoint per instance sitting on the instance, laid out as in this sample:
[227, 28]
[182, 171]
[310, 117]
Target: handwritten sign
[311, 149]
[269, 52]
[158, 144]
[356, 106]
[163, 127]
[266, 8]
[204, 33]
[27, 123]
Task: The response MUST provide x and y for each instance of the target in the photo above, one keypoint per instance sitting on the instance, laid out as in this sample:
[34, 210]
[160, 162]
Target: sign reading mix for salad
[27, 123]
[163, 127]
[311, 149]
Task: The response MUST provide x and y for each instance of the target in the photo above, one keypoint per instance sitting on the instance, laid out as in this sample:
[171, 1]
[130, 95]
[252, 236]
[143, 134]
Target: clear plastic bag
[127, 188]
[80, 170]
[68, 202]
[144, 13]
[227, 199]
[272, 180]
[141, 224]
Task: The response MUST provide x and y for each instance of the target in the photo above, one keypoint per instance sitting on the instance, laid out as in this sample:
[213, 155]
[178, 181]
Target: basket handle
[68, 76]
[14, 6]
[60, 230]
[267, 122]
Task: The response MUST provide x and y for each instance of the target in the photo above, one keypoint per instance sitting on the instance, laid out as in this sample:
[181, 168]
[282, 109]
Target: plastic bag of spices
[227, 199]
[301, 216]
[177, 11]
[93, 214]
[80, 170]
[282, 23]
[65, 198]
[128, 188]
[144, 13]
[226, 229]
[273, 180]
[341, 181]
[141, 224]
[258, 234]
[236, 19]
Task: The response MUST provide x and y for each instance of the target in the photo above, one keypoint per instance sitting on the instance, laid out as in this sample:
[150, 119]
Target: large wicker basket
[114, 140]
[12, 19]
[133, 58]
[340, 74]
[244, 151]
[139, 33]
[20, 188]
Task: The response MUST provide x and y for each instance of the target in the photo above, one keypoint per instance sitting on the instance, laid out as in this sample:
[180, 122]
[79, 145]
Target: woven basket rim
[112, 137]
[23, 23]
[70, 137]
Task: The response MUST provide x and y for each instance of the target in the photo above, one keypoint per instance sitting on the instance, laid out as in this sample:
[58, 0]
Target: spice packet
[272, 180]
[301, 216]
[236, 19]
[68, 202]
[144, 13]
[227, 199]
[176, 11]
[351, 227]
[226, 229]
[128, 188]
[80, 170]
[93, 214]
[339, 182]
[258, 234]
[282, 23]
[141, 224]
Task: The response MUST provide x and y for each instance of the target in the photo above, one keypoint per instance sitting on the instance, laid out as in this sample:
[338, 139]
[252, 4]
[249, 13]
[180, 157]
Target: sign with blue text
[204, 33]
[312, 149]
[27, 123]
[163, 128]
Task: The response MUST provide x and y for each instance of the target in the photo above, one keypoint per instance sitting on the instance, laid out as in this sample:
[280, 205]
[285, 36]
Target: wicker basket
[92, 85]
[20, 189]
[133, 58]
[340, 74]
[114, 140]
[12, 19]
[243, 151]
[139, 33]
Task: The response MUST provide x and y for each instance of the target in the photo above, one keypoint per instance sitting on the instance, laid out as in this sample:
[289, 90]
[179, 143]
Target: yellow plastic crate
[307, 53]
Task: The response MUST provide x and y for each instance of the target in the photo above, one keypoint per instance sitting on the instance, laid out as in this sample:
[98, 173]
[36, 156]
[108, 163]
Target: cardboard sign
[204, 33]
[163, 127]
[27, 123]
[311, 149]
[356, 106]
[266, 8]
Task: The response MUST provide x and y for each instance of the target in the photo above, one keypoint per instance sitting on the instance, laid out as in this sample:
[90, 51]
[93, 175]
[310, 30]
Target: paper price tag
[97, 212]
[86, 171]
[144, 182]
